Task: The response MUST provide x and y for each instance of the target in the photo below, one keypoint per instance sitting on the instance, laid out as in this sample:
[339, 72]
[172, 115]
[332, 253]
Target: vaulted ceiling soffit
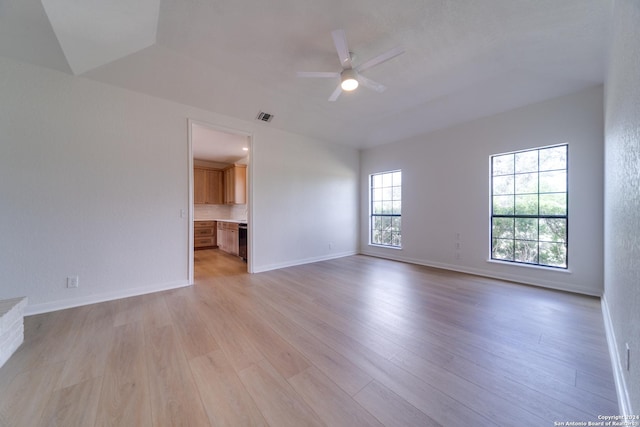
[92, 33]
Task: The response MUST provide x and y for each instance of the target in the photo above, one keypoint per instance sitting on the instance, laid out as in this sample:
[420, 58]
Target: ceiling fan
[351, 76]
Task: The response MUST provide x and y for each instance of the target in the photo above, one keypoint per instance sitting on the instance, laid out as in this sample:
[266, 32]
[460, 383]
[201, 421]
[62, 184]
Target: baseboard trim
[261, 269]
[624, 402]
[490, 274]
[94, 299]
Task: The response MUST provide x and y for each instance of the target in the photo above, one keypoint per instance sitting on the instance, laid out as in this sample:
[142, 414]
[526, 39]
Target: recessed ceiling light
[245, 148]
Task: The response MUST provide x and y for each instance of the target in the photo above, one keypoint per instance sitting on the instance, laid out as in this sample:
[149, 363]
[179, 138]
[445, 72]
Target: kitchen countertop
[235, 221]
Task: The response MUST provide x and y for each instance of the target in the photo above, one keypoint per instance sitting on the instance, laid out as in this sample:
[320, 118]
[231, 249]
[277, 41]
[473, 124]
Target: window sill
[535, 267]
[397, 248]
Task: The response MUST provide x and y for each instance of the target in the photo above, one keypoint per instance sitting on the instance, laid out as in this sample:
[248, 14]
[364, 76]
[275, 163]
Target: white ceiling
[92, 33]
[218, 146]
[464, 59]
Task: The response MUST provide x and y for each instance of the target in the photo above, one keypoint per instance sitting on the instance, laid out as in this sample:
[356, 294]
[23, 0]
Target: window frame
[537, 216]
[373, 215]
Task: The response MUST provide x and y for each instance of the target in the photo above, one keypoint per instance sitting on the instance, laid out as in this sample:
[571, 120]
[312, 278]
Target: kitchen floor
[212, 263]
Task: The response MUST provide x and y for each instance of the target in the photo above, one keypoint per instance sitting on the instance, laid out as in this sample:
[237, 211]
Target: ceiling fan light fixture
[349, 80]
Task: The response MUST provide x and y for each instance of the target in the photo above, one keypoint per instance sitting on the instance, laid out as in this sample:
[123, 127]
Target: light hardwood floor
[357, 341]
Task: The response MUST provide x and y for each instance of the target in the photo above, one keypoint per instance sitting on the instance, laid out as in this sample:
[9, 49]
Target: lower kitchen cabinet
[227, 237]
[204, 234]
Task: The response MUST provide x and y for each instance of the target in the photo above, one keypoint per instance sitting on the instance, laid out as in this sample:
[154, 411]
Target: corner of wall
[624, 401]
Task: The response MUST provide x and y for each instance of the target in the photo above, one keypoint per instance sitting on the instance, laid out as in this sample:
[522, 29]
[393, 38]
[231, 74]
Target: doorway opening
[219, 192]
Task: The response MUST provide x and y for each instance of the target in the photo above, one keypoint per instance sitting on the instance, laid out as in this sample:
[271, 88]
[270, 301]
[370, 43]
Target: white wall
[622, 200]
[315, 191]
[93, 179]
[446, 190]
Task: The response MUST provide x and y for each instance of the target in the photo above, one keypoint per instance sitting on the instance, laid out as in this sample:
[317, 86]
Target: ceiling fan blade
[320, 74]
[336, 93]
[340, 41]
[378, 87]
[390, 54]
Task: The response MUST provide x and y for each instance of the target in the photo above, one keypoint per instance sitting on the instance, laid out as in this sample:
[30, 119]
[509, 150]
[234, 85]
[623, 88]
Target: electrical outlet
[627, 356]
[72, 282]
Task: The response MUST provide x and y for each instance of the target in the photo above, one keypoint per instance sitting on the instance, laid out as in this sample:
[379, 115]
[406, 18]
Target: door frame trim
[249, 135]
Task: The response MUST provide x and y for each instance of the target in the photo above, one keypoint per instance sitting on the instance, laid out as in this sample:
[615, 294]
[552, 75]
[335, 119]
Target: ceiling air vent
[265, 117]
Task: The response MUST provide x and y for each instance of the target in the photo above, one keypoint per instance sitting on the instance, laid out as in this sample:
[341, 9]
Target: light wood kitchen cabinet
[207, 186]
[235, 184]
[204, 234]
[228, 237]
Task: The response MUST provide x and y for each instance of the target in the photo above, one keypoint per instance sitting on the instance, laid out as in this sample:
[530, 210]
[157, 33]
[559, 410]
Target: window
[386, 209]
[529, 206]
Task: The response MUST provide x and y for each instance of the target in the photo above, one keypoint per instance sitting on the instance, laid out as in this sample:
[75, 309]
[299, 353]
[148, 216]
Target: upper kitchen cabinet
[235, 184]
[208, 186]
